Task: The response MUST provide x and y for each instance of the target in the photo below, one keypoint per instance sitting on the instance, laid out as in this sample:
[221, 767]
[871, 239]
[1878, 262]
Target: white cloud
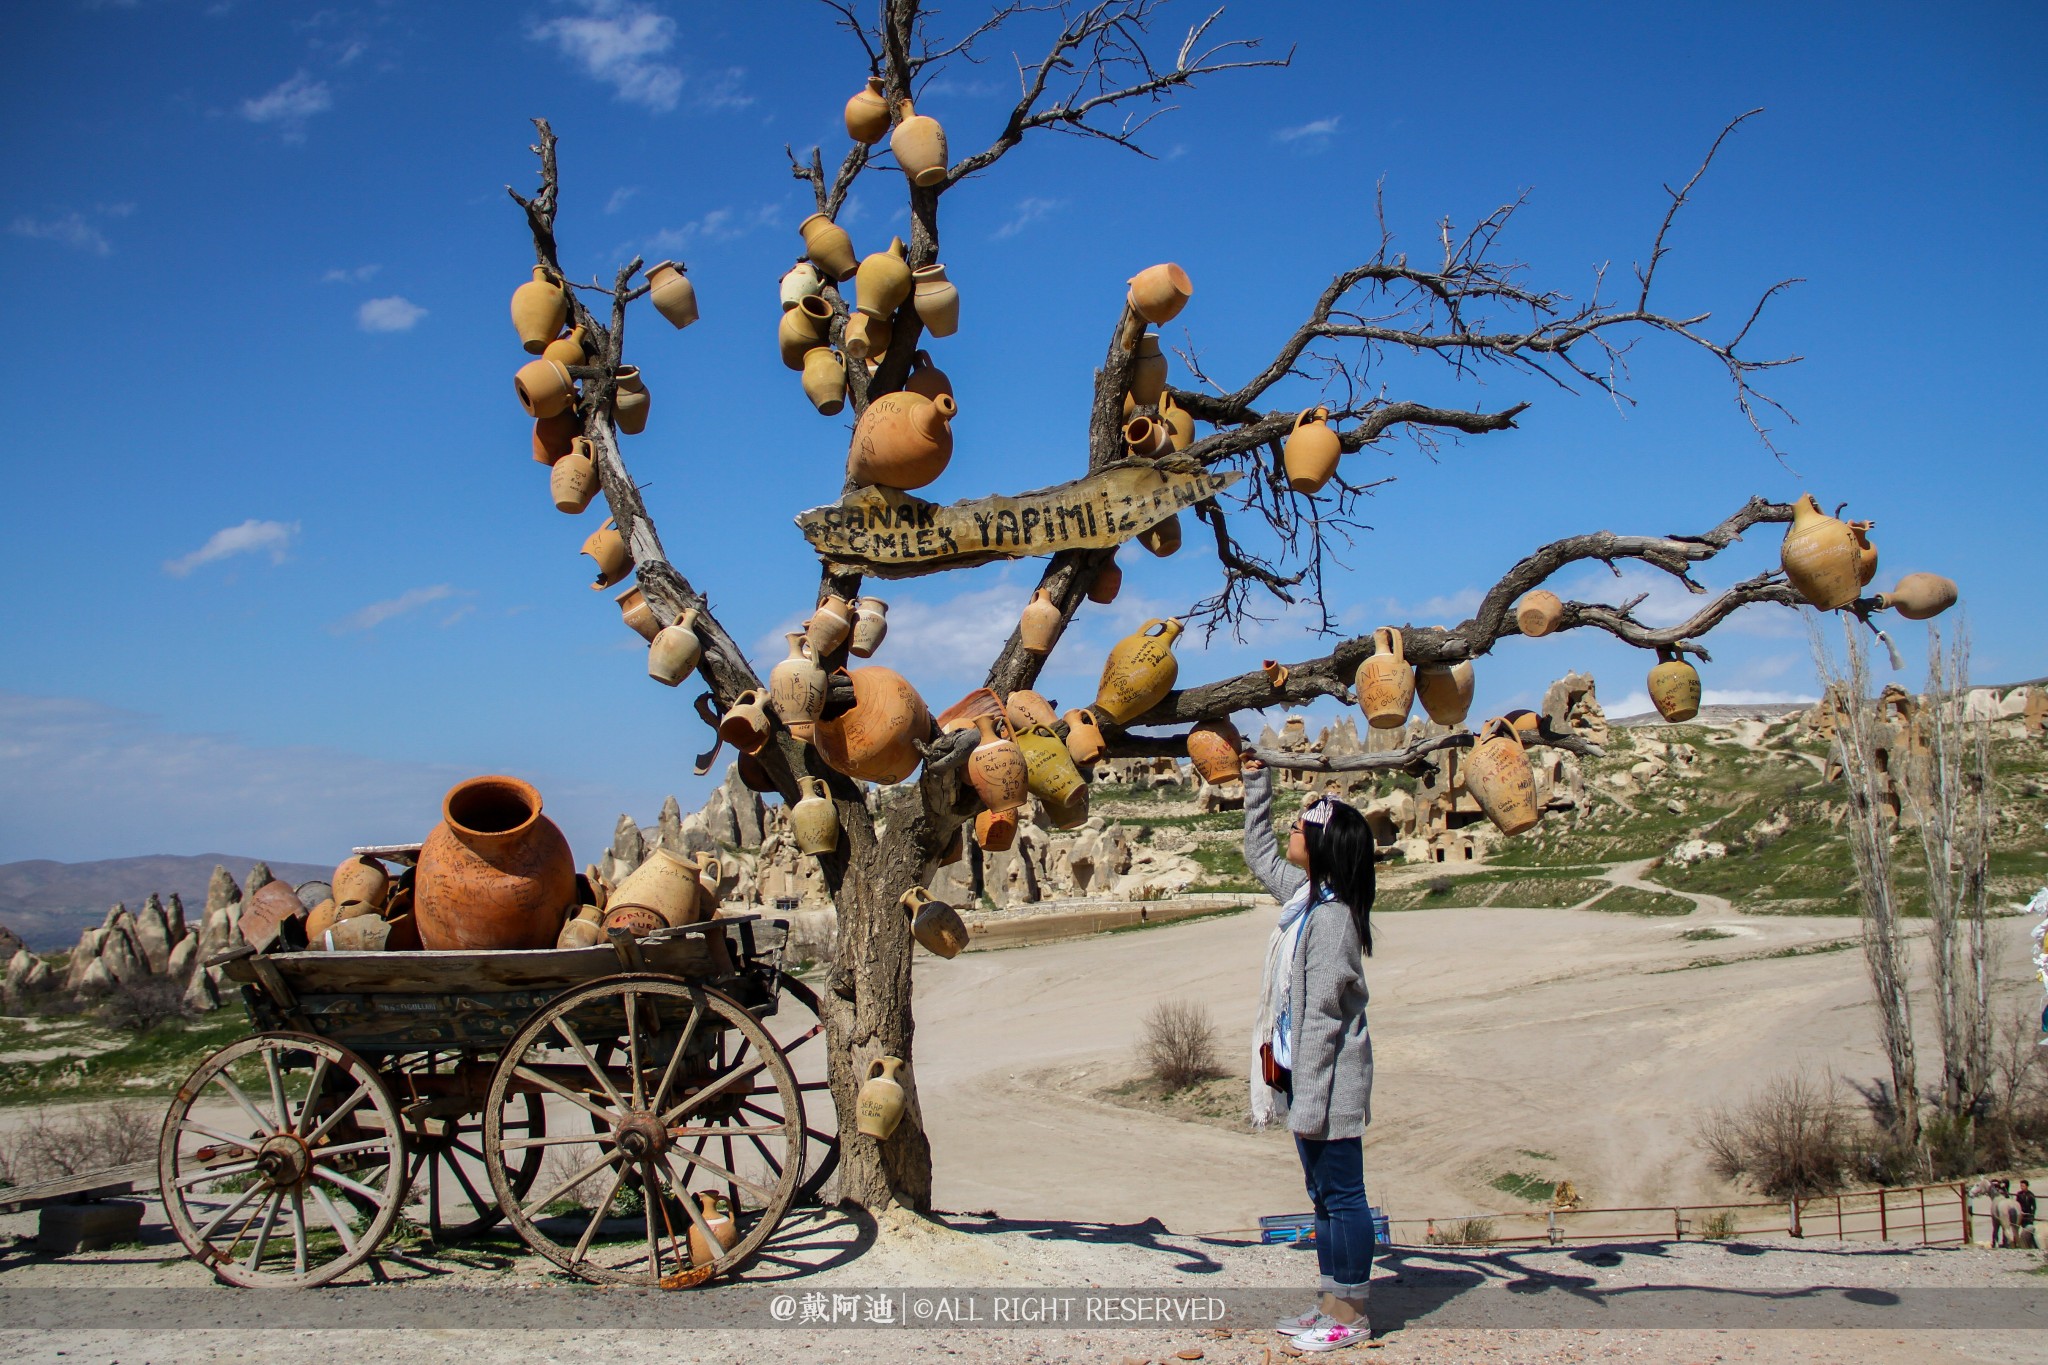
[391, 314]
[289, 104]
[1637, 702]
[251, 537]
[72, 229]
[1446, 609]
[359, 275]
[377, 613]
[1315, 133]
[718, 225]
[1028, 211]
[620, 198]
[945, 87]
[722, 89]
[612, 40]
[1667, 602]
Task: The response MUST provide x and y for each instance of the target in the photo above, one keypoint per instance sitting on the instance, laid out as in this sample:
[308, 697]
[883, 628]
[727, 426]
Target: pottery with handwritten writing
[927, 379]
[796, 687]
[996, 768]
[1025, 708]
[607, 549]
[573, 481]
[903, 440]
[1538, 613]
[1385, 682]
[1050, 771]
[675, 650]
[870, 627]
[876, 738]
[1821, 557]
[1674, 686]
[830, 624]
[1498, 775]
[995, 831]
[813, 819]
[1139, 672]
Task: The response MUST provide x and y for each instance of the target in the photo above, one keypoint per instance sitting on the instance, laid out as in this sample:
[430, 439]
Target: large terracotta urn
[873, 740]
[495, 873]
[903, 440]
[1140, 671]
[1821, 558]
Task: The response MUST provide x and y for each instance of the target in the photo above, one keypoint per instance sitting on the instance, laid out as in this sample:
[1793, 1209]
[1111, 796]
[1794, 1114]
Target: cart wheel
[661, 1069]
[801, 1033]
[282, 1161]
[448, 1190]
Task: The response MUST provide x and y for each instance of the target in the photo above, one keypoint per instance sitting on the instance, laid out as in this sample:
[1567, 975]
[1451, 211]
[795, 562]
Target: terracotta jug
[1162, 538]
[320, 919]
[874, 739]
[584, 929]
[1446, 690]
[830, 624]
[870, 625]
[1147, 438]
[573, 481]
[567, 350]
[1820, 556]
[1498, 776]
[634, 607]
[1069, 814]
[883, 281]
[879, 1105]
[1920, 596]
[997, 769]
[920, 147]
[902, 441]
[800, 282]
[1674, 687]
[796, 687]
[672, 294]
[1180, 423]
[814, 820]
[867, 339]
[1109, 581]
[1139, 671]
[1038, 628]
[927, 379]
[710, 873]
[1214, 746]
[1148, 371]
[1538, 613]
[539, 308]
[867, 114]
[803, 329]
[745, 724]
[828, 246]
[934, 923]
[725, 1232]
[937, 299]
[495, 873]
[630, 400]
[357, 934]
[1866, 553]
[1386, 684]
[1084, 737]
[544, 388]
[1025, 708]
[995, 831]
[675, 651]
[1050, 771]
[665, 884]
[361, 880]
[1159, 292]
[1311, 452]
[636, 920]
[553, 436]
[1275, 671]
[607, 548]
[825, 380]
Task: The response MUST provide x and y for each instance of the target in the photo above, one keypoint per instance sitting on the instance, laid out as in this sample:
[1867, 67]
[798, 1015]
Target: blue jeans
[1335, 1172]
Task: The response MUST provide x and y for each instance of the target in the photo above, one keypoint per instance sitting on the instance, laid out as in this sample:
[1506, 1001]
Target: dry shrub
[1179, 1046]
[1465, 1232]
[1791, 1139]
[139, 1006]
[1718, 1226]
[78, 1142]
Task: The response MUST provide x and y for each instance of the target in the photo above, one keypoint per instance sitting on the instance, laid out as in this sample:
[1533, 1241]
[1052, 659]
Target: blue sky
[280, 569]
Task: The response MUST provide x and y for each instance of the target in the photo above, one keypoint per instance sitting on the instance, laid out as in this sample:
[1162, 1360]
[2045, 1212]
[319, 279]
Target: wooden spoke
[195, 1126]
[711, 1091]
[313, 1084]
[299, 1230]
[276, 1076]
[533, 1077]
[554, 1140]
[727, 1174]
[639, 1086]
[256, 1116]
[213, 1223]
[333, 1216]
[568, 1030]
[334, 1177]
[347, 1107]
[816, 1114]
[263, 1233]
[568, 1183]
[668, 1073]
[186, 1182]
[597, 1215]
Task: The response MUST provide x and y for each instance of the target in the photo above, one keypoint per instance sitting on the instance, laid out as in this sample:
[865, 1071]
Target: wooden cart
[612, 1104]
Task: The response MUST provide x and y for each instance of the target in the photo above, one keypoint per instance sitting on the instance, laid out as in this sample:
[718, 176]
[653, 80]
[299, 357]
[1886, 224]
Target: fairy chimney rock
[746, 808]
[221, 893]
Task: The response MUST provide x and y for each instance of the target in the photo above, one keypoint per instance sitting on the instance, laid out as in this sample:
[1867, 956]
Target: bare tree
[1103, 76]
[1861, 746]
[1947, 787]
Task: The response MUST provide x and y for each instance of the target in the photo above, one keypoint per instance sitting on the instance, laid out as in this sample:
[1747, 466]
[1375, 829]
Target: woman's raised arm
[1261, 851]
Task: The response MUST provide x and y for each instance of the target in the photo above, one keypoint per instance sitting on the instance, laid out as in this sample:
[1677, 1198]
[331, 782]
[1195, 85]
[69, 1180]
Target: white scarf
[1268, 1103]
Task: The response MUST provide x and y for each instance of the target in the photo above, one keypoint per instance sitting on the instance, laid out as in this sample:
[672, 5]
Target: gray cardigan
[1332, 1050]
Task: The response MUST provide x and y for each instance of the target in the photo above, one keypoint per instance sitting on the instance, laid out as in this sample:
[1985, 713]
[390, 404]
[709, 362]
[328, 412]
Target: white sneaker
[1333, 1336]
[1310, 1321]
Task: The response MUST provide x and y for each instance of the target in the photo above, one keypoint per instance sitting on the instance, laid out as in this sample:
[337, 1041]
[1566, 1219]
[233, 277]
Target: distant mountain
[49, 904]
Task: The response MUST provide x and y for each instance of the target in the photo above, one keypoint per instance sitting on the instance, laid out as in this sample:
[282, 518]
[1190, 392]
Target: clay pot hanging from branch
[672, 294]
[1674, 686]
[867, 114]
[919, 144]
[1497, 774]
[539, 308]
[573, 481]
[1446, 691]
[1821, 557]
[607, 549]
[630, 400]
[934, 923]
[1538, 613]
[1159, 292]
[1311, 451]
[870, 626]
[803, 329]
[675, 651]
[996, 768]
[1148, 371]
[875, 739]
[829, 248]
[1039, 627]
[544, 388]
[1385, 682]
[800, 282]
[883, 281]
[1921, 596]
[902, 441]
[813, 820]
[1139, 672]
[825, 380]
[937, 300]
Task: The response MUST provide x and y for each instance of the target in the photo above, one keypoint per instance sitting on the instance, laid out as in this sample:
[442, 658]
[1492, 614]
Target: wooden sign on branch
[884, 533]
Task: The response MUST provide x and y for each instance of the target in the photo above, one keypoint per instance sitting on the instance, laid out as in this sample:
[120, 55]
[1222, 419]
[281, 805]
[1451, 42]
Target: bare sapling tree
[1947, 790]
[1101, 75]
[1861, 745]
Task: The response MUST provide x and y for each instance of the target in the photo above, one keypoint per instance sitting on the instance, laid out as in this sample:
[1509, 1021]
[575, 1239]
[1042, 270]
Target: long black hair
[1340, 860]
